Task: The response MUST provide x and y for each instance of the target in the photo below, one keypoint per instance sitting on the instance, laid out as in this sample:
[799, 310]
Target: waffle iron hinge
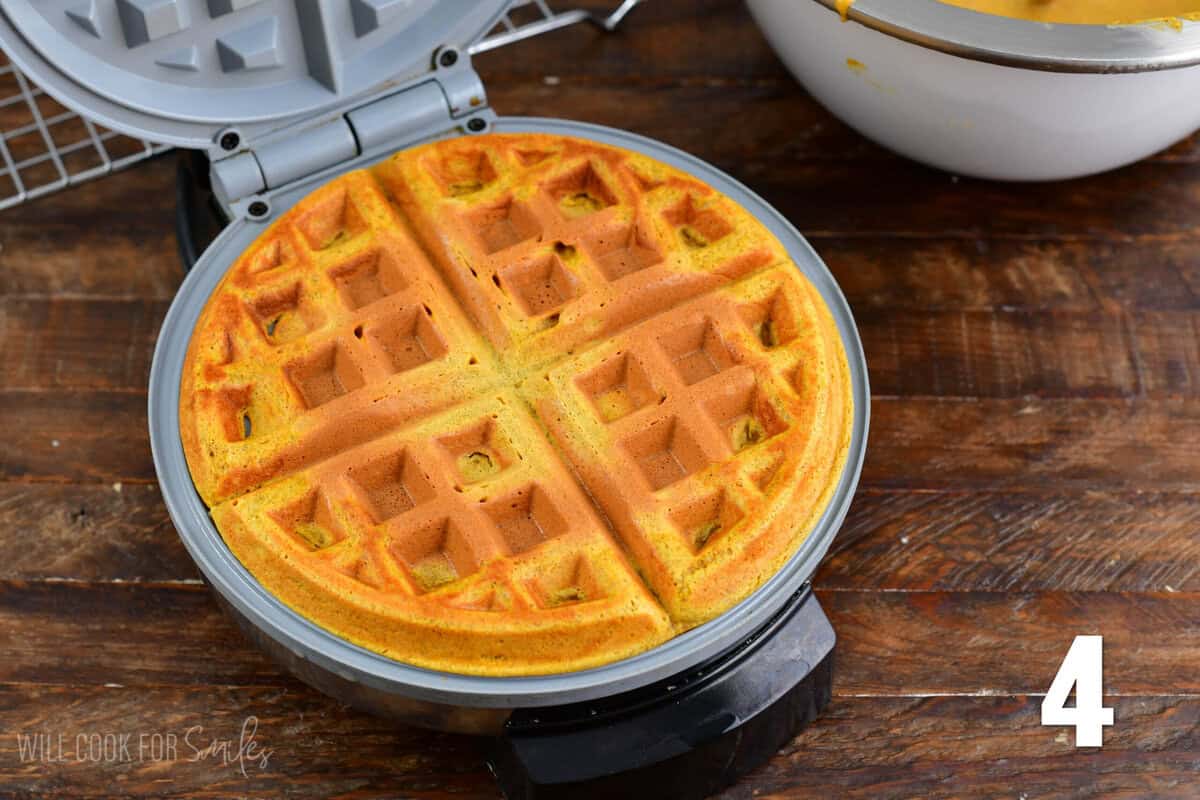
[304, 152]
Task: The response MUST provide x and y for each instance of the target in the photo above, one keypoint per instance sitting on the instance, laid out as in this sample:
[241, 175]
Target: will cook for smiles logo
[243, 753]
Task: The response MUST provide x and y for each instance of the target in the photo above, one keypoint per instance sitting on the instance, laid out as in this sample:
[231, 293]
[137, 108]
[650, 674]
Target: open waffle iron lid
[183, 71]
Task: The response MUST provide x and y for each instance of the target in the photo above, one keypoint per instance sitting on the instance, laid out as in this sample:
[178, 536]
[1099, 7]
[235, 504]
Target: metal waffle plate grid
[45, 147]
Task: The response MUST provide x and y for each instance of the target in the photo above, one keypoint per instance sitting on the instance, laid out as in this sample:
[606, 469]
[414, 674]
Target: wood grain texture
[1149, 200]
[107, 238]
[971, 274]
[942, 642]
[89, 532]
[664, 43]
[1032, 469]
[938, 747]
[952, 747]
[138, 634]
[298, 730]
[1081, 444]
[77, 343]
[1002, 643]
[75, 435]
[1004, 354]
[1039, 540]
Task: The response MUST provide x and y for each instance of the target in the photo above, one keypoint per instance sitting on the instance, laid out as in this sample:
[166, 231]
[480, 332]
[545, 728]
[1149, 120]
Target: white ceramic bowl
[989, 96]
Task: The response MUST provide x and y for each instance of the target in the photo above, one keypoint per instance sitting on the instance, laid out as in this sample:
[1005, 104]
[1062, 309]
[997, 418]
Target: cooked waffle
[515, 404]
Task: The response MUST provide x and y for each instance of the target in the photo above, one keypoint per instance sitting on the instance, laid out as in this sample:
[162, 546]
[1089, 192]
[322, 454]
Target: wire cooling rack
[528, 18]
[45, 147]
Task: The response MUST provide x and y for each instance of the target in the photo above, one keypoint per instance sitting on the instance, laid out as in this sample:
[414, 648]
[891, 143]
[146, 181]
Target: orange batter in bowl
[1081, 12]
[1086, 12]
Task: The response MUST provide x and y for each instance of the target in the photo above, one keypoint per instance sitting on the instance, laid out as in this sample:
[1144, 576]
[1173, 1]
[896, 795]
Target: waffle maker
[270, 99]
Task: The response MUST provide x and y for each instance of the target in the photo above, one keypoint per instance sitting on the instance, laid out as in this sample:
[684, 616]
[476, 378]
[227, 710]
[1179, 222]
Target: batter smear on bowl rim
[515, 404]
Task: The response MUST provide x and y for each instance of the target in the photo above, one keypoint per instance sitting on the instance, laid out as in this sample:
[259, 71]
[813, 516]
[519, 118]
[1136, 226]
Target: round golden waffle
[515, 404]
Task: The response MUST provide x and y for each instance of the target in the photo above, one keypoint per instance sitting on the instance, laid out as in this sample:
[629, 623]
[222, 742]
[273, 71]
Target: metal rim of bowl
[1137, 47]
[309, 641]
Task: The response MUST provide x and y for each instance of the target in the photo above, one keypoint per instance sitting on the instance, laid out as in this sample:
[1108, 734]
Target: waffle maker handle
[685, 737]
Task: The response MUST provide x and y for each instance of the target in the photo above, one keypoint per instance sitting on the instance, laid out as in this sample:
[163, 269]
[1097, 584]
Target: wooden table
[1032, 474]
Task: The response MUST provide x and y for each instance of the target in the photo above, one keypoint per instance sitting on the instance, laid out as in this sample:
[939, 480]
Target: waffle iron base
[684, 737]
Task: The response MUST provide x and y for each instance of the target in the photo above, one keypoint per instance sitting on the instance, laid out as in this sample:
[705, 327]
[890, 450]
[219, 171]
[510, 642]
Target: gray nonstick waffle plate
[181, 70]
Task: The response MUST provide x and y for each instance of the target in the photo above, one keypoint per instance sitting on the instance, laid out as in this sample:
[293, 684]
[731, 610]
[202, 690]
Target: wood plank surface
[1018, 541]
[1034, 355]
[952, 747]
[89, 532]
[942, 747]
[942, 642]
[960, 443]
